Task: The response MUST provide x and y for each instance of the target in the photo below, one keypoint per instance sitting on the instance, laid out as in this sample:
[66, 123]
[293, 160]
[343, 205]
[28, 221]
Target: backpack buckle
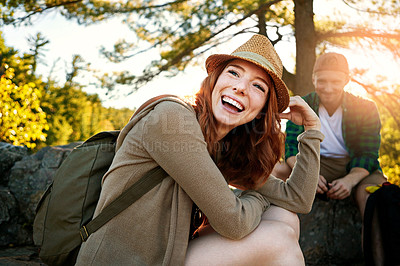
[84, 233]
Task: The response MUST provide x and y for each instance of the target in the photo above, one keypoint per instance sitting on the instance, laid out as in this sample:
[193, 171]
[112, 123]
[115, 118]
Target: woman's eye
[233, 73]
[259, 87]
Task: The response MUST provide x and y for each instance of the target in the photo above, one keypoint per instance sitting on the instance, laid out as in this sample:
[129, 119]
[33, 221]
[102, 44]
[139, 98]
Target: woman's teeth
[233, 103]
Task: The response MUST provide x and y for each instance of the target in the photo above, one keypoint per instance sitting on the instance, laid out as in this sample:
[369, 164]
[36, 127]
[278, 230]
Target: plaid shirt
[360, 127]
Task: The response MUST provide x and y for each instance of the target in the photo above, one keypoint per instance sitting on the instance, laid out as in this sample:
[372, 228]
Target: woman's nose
[240, 88]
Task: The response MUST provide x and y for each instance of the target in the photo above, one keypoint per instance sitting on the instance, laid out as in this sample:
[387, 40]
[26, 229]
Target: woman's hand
[301, 114]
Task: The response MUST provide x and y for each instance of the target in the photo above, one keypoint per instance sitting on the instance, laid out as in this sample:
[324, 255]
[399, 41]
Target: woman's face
[239, 95]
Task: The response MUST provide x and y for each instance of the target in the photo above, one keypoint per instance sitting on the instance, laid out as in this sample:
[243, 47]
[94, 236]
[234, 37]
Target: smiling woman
[231, 136]
[246, 85]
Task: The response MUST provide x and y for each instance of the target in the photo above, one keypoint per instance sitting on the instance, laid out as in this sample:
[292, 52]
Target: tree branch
[357, 34]
[280, 36]
[113, 11]
[371, 91]
[189, 49]
[148, 74]
[367, 10]
[41, 10]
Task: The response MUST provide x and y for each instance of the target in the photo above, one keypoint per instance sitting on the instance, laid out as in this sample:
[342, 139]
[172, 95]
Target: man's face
[329, 86]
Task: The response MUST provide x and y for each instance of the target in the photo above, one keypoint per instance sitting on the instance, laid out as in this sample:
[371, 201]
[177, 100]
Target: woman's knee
[284, 245]
[281, 234]
[284, 216]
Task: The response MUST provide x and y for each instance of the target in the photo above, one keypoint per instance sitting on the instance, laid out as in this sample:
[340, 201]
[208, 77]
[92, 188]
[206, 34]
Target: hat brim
[281, 89]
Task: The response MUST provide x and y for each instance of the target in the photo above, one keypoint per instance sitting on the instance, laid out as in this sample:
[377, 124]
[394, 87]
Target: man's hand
[340, 188]
[322, 185]
[301, 114]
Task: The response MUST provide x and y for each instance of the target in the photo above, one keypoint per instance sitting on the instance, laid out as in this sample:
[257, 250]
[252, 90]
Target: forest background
[47, 101]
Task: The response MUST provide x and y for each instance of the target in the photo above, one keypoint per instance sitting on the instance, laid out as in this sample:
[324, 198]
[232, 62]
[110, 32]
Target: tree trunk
[262, 26]
[289, 79]
[305, 46]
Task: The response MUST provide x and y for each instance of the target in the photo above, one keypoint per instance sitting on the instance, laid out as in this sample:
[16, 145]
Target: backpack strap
[127, 198]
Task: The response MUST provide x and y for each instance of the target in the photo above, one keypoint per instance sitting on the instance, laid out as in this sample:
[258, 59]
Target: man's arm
[365, 141]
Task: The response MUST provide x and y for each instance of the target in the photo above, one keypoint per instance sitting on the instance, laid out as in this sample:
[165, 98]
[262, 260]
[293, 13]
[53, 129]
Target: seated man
[351, 125]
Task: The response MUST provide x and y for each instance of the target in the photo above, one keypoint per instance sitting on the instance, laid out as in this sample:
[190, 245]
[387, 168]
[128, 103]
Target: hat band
[256, 57]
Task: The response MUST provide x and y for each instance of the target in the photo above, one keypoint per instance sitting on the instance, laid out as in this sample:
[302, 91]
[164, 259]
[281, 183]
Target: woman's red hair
[249, 152]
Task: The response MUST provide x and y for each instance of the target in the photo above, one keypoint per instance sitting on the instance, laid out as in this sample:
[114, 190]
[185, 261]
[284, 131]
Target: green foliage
[35, 113]
[118, 118]
[22, 66]
[388, 102]
[377, 7]
[390, 145]
[37, 43]
[281, 14]
[22, 120]
[74, 115]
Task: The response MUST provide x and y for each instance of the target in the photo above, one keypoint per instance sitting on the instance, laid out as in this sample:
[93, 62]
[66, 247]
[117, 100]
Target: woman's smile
[231, 104]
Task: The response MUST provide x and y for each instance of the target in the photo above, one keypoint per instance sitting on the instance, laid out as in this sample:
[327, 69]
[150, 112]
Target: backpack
[385, 203]
[64, 213]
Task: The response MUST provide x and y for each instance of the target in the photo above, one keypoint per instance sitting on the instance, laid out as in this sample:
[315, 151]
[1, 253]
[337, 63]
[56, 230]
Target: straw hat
[257, 50]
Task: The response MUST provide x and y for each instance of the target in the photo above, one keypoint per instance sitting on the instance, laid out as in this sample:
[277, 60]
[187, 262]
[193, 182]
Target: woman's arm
[173, 138]
[297, 193]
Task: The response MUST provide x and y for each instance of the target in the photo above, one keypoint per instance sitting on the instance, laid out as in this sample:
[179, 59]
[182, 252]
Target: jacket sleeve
[291, 143]
[173, 138]
[298, 192]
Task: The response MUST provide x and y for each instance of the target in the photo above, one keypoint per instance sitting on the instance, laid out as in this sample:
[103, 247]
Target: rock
[331, 233]
[15, 256]
[8, 205]
[13, 229]
[9, 154]
[28, 179]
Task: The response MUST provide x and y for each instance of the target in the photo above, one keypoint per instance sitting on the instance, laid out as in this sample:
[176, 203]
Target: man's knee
[361, 196]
